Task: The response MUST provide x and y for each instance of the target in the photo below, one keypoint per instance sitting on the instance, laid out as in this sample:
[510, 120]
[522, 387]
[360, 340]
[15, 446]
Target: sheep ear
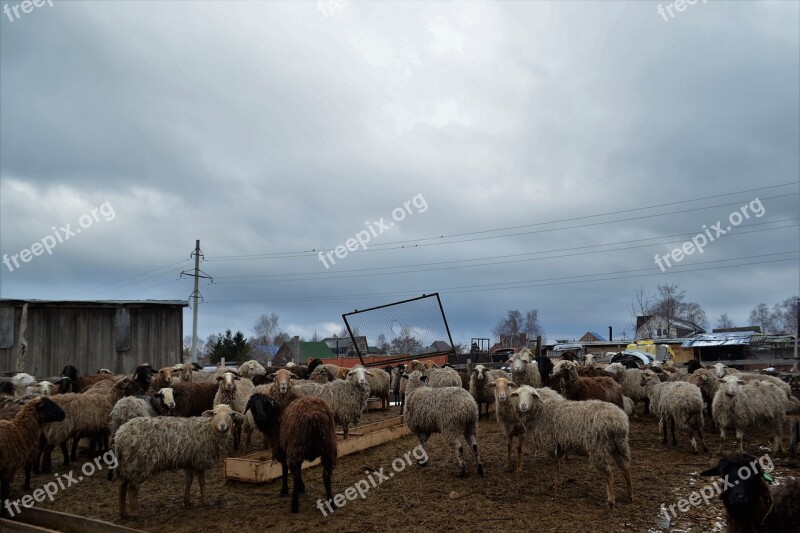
[369, 374]
[208, 414]
[403, 376]
[512, 384]
[493, 384]
[515, 393]
[236, 416]
[423, 378]
[237, 377]
[219, 378]
[712, 472]
[293, 376]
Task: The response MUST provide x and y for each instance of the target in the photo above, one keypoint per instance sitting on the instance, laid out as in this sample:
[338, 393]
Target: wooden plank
[68, 523]
[255, 468]
[8, 526]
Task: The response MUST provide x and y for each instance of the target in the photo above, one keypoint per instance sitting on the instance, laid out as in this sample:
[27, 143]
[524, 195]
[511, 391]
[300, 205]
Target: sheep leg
[455, 442]
[284, 477]
[27, 483]
[326, 479]
[520, 446]
[64, 452]
[624, 464]
[133, 495]
[423, 439]
[722, 435]
[776, 439]
[345, 427]
[672, 430]
[123, 495]
[75, 440]
[201, 480]
[662, 429]
[702, 439]
[559, 459]
[740, 438]
[298, 482]
[237, 435]
[473, 441]
[610, 496]
[647, 406]
[186, 493]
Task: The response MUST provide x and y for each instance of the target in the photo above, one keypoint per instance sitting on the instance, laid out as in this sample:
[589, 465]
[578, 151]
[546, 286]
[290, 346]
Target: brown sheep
[193, 398]
[20, 436]
[595, 388]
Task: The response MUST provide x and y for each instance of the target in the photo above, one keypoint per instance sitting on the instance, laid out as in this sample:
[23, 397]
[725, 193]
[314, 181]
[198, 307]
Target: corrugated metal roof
[728, 338]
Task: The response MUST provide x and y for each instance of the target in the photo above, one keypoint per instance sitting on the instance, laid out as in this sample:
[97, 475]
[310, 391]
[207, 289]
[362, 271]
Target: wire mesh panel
[402, 330]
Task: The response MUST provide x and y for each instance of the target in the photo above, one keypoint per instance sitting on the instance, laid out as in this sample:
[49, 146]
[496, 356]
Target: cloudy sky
[545, 153]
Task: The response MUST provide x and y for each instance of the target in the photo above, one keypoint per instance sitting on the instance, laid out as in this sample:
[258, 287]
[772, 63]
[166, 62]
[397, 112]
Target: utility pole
[197, 274]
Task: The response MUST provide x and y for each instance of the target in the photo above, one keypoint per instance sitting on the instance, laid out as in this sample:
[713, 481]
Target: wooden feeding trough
[259, 467]
[35, 520]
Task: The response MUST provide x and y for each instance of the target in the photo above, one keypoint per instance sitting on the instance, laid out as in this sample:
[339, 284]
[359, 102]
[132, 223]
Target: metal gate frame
[400, 359]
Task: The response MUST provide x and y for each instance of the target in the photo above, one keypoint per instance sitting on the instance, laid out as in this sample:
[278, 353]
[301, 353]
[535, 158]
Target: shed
[40, 337]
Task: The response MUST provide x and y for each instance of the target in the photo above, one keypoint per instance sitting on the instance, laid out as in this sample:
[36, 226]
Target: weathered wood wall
[116, 336]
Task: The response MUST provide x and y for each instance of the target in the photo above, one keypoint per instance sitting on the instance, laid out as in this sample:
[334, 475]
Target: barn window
[122, 330]
[6, 327]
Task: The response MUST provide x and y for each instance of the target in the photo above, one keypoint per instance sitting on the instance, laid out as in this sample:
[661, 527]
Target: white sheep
[147, 446]
[676, 402]
[591, 427]
[744, 405]
[234, 391]
[347, 397]
[524, 370]
[631, 381]
[451, 411]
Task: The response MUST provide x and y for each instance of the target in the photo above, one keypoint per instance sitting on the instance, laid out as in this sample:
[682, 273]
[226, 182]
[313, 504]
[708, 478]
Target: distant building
[40, 337]
[344, 345]
[519, 340]
[308, 350]
[657, 327]
[591, 336]
[756, 329]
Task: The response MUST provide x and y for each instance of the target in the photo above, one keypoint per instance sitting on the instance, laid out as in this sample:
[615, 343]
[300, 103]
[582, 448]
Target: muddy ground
[433, 498]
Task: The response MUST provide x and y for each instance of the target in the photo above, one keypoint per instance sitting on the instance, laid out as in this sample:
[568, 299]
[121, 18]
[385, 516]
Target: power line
[379, 247]
[642, 272]
[497, 260]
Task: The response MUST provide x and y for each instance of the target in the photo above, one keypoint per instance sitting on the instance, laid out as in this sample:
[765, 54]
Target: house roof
[726, 338]
[677, 322]
[310, 349]
[595, 335]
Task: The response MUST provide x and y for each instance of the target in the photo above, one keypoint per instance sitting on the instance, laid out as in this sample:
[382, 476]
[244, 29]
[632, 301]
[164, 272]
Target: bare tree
[642, 305]
[724, 322]
[531, 326]
[508, 329]
[762, 316]
[406, 343]
[785, 316]
[266, 329]
[383, 344]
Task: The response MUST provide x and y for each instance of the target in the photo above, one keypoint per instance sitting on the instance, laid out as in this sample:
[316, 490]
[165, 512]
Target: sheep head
[502, 388]
[730, 384]
[743, 494]
[47, 410]
[264, 410]
[222, 417]
[227, 381]
[167, 398]
[527, 399]
[281, 380]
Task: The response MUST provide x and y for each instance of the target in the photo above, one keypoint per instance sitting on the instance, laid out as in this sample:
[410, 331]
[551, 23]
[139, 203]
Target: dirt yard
[433, 498]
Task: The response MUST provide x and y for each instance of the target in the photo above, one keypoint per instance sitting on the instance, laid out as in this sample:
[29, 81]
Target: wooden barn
[40, 337]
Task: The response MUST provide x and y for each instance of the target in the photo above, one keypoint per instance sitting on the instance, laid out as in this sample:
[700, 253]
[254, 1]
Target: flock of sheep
[179, 418]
